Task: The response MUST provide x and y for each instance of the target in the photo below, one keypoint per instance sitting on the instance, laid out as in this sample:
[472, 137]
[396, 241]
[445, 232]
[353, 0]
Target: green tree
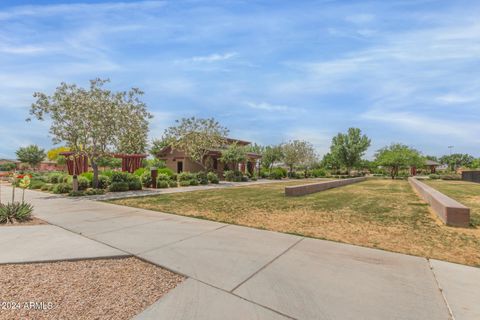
[94, 121]
[196, 137]
[330, 162]
[397, 156]
[157, 146]
[31, 154]
[457, 160]
[349, 148]
[234, 154]
[475, 164]
[271, 155]
[298, 153]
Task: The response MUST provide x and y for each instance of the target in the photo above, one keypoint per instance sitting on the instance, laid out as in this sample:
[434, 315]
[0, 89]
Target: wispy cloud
[214, 57]
[264, 106]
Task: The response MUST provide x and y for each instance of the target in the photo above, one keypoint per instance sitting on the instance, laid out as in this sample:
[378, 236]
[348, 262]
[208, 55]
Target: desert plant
[146, 179]
[15, 212]
[103, 181]
[212, 177]
[140, 171]
[93, 192]
[24, 184]
[184, 183]
[83, 183]
[163, 176]
[202, 177]
[185, 176]
[134, 182]
[62, 188]
[119, 186]
[163, 184]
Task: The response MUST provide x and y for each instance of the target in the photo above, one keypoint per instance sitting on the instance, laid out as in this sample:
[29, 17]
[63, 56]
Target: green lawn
[467, 193]
[378, 213]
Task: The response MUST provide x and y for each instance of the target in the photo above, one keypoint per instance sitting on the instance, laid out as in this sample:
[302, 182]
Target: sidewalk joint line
[452, 317]
[267, 264]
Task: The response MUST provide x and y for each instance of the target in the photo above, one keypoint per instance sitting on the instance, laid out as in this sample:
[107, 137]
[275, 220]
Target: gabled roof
[431, 163]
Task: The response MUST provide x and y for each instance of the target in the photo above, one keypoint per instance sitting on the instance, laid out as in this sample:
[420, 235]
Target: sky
[271, 71]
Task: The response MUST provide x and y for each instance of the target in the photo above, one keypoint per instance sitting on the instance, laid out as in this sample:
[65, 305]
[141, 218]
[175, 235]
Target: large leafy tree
[330, 162]
[196, 137]
[234, 154]
[298, 153]
[271, 155]
[349, 148]
[457, 160]
[157, 146]
[397, 156]
[94, 121]
[32, 154]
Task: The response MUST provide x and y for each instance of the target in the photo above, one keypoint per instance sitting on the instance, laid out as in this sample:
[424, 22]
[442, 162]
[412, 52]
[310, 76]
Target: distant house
[177, 161]
[430, 165]
[45, 165]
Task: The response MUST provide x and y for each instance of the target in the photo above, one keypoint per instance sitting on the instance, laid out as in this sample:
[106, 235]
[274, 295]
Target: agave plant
[15, 212]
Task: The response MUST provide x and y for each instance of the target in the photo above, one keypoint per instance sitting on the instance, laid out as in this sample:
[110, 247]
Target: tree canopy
[298, 153]
[270, 155]
[397, 156]
[95, 121]
[234, 154]
[31, 154]
[348, 148]
[196, 137]
[457, 160]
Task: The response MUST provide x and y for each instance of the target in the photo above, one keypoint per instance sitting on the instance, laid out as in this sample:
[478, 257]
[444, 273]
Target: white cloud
[214, 57]
[466, 131]
[452, 98]
[268, 107]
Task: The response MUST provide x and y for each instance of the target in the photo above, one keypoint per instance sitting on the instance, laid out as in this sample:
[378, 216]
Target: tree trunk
[95, 174]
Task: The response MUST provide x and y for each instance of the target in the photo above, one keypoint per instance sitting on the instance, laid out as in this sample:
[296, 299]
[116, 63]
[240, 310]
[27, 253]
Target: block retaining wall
[450, 211]
[294, 191]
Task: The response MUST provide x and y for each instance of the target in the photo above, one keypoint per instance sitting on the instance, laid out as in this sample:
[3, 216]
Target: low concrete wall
[304, 189]
[471, 175]
[451, 212]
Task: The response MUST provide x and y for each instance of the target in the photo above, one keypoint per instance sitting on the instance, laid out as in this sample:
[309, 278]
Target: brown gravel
[31, 222]
[87, 289]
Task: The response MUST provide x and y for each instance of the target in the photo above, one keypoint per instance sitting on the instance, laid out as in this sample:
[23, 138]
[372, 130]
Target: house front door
[179, 166]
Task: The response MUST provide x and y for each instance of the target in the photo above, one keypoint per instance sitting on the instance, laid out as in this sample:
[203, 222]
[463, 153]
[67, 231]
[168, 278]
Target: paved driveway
[242, 273]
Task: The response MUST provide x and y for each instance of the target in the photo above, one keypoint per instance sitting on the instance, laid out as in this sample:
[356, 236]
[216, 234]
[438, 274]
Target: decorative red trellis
[77, 163]
[130, 162]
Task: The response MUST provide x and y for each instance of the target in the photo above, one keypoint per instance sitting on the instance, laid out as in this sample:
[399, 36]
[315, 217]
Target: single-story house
[177, 161]
[429, 165]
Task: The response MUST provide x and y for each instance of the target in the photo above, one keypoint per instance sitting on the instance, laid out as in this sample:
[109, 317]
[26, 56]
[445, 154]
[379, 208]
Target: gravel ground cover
[378, 213]
[31, 222]
[86, 289]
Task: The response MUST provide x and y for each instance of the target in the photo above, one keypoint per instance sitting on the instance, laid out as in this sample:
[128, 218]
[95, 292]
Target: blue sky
[271, 71]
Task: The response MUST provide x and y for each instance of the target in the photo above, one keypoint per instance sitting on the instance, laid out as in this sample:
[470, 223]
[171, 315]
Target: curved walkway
[242, 273]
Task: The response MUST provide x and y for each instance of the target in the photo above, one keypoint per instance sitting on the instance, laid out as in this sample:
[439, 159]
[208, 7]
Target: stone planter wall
[293, 191]
[450, 211]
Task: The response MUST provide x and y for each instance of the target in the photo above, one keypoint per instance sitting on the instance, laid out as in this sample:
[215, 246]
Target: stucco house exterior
[177, 161]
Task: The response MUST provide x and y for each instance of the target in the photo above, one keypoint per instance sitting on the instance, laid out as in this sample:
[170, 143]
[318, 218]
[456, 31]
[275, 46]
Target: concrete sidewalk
[242, 273]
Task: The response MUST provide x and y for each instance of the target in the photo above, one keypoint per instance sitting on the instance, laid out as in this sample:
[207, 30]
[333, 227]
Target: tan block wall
[450, 211]
[293, 191]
